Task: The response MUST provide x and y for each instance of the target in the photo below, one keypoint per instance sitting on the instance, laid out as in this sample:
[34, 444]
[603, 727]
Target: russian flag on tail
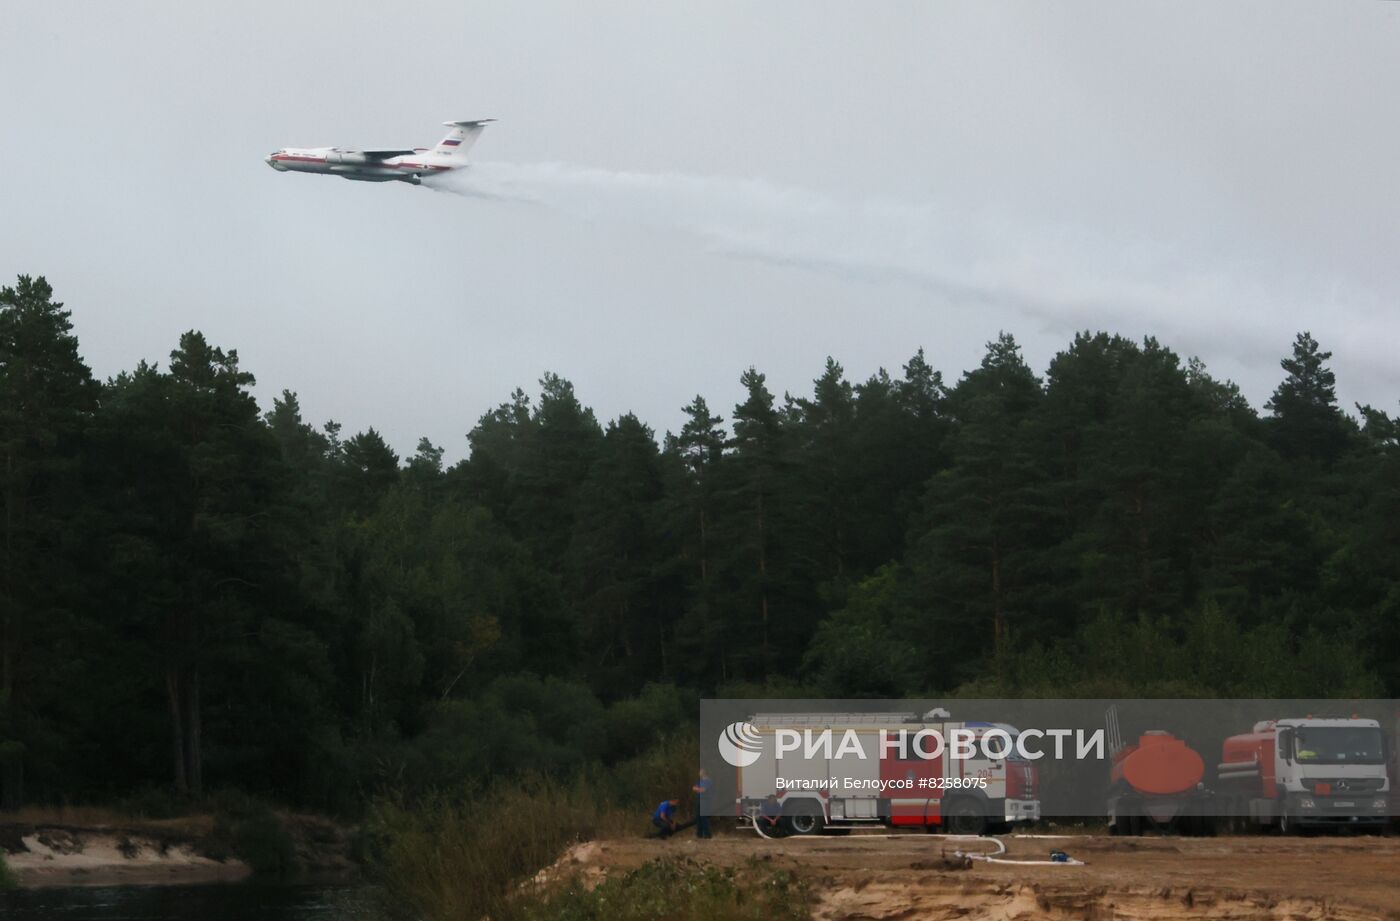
[451, 142]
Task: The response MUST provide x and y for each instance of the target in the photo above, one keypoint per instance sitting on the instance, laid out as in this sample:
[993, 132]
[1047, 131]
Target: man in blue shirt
[770, 817]
[702, 789]
[664, 818]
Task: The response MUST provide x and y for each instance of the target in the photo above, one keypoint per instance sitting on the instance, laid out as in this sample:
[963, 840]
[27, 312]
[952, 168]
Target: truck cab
[1311, 772]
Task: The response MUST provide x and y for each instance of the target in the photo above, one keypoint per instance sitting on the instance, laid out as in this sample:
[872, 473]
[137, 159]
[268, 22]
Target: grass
[7, 877]
[674, 890]
[464, 856]
[86, 816]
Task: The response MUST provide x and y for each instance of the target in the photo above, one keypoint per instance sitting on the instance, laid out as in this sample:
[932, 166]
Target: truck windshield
[1338, 745]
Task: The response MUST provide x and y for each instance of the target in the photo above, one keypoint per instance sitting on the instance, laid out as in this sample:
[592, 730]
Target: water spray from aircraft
[1065, 277]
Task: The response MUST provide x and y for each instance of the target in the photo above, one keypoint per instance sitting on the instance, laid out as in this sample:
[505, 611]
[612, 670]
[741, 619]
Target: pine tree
[751, 500]
[1134, 548]
[563, 439]
[825, 469]
[424, 472]
[194, 524]
[700, 448]
[365, 469]
[984, 519]
[1307, 422]
[692, 467]
[47, 398]
[612, 562]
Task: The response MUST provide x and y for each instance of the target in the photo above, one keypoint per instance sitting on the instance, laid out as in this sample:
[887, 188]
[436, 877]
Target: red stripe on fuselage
[362, 165]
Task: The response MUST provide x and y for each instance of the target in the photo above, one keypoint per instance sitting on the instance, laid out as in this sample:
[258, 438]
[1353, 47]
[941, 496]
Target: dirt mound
[921, 877]
[1025, 902]
[585, 861]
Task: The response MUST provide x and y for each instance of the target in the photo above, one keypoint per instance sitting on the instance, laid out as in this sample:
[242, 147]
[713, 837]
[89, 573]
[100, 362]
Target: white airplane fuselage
[351, 164]
[383, 165]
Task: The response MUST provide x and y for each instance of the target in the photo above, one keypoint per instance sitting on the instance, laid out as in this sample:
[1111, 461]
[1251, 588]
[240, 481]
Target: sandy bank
[61, 856]
[175, 852]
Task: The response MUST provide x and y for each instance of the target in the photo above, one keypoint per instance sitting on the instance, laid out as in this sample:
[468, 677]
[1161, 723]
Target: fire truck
[826, 788]
[1306, 773]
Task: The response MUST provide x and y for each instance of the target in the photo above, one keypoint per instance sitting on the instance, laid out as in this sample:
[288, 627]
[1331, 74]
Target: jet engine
[338, 157]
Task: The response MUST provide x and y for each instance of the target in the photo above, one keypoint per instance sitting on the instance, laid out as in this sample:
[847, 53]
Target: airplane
[409, 166]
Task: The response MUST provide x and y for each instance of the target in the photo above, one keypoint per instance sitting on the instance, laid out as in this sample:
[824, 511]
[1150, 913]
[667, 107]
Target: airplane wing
[386, 154]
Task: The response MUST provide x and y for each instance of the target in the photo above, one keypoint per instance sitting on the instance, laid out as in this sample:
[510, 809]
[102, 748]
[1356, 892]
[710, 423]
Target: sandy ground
[918, 877]
[87, 847]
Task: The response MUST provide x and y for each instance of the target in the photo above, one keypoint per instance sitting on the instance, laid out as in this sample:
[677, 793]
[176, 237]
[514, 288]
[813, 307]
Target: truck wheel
[804, 824]
[1227, 823]
[1238, 821]
[1126, 819]
[1194, 823]
[964, 817]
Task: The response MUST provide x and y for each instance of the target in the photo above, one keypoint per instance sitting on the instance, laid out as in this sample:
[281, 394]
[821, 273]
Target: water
[215, 902]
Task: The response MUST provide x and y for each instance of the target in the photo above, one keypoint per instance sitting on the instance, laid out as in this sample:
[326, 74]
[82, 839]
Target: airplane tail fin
[462, 136]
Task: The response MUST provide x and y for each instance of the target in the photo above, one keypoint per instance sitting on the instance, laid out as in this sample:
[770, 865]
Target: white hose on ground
[994, 857]
[1067, 862]
[758, 827]
[997, 858]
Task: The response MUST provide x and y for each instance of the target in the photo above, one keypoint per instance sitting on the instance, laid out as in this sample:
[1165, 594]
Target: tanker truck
[1155, 785]
[1295, 774]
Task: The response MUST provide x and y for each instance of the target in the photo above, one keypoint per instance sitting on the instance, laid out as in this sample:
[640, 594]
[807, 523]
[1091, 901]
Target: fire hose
[1057, 858]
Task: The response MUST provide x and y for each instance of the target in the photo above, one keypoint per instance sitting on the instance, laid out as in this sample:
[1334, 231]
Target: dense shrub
[251, 831]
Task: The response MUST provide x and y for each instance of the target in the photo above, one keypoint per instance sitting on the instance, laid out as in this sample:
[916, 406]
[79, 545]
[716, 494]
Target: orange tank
[1255, 748]
[1160, 764]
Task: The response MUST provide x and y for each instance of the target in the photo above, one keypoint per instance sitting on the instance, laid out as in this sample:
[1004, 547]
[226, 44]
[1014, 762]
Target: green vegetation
[251, 831]
[479, 856]
[466, 853]
[466, 857]
[7, 877]
[677, 890]
[200, 593]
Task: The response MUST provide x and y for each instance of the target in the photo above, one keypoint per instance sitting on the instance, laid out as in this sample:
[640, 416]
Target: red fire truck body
[820, 788]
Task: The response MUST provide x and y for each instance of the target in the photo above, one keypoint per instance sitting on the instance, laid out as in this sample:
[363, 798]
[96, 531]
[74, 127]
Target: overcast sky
[676, 191]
